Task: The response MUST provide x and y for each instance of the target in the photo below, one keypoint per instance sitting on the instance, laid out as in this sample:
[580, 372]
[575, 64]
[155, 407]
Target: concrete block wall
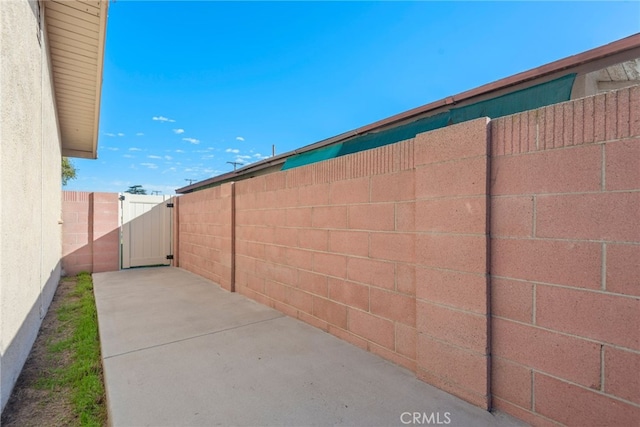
[565, 261]
[90, 232]
[498, 260]
[331, 244]
[204, 236]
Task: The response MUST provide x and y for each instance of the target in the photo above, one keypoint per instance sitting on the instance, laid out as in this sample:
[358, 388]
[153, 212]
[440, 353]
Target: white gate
[145, 230]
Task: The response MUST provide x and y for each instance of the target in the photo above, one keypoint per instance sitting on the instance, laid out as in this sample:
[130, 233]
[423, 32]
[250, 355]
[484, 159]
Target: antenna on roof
[235, 164]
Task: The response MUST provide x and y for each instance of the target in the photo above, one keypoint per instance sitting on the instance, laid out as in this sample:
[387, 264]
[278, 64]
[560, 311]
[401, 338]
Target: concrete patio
[178, 350]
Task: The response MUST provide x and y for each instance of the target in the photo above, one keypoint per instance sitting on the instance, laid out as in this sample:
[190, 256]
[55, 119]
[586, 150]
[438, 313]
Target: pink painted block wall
[498, 260]
[565, 256]
[90, 233]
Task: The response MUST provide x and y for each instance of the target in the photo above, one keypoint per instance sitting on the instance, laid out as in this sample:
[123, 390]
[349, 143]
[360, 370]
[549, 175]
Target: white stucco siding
[30, 187]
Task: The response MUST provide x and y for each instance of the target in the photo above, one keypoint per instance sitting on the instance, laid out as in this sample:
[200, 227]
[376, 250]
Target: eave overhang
[76, 31]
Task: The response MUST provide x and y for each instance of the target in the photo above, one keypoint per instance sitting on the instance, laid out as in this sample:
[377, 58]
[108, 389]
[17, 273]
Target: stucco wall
[30, 196]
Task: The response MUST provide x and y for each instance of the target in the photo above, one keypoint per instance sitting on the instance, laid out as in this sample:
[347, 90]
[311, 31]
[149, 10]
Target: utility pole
[235, 164]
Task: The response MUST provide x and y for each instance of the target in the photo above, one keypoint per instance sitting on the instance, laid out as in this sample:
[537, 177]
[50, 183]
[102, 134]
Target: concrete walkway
[177, 350]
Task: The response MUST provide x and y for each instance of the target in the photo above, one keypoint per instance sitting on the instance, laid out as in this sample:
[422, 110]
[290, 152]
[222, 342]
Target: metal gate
[145, 230]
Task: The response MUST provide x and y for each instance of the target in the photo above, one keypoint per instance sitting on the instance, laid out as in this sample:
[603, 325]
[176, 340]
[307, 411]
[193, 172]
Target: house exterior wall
[91, 232]
[498, 260]
[30, 201]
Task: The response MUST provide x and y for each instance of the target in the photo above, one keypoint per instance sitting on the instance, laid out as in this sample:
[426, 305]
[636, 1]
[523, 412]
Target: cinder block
[454, 252]
[330, 264]
[314, 239]
[313, 283]
[622, 169]
[371, 272]
[349, 242]
[460, 371]
[378, 216]
[393, 306]
[512, 299]
[567, 357]
[621, 374]
[314, 195]
[462, 329]
[634, 111]
[299, 258]
[349, 191]
[406, 337]
[313, 321]
[329, 217]
[464, 291]
[392, 246]
[372, 328]
[511, 382]
[390, 187]
[392, 356]
[330, 311]
[298, 217]
[595, 216]
[599, 118]
[406, 278]
[511, 216]
[299, 299]
[349, 337]
[623, 269]
[349, 293]
[499, 404]
[573, 169]
[466, 177]
[452, 215]
[460, 141]
[606, 318]
[573, 405]
[405, 216]
[561, 262]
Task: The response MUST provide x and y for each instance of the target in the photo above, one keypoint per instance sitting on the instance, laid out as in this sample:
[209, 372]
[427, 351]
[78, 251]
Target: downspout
[42, 84]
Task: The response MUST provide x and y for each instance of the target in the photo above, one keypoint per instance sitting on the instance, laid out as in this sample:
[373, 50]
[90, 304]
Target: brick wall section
[389, 250]
[90, 233]
[565, 251]
[331, 244]
[205, 234]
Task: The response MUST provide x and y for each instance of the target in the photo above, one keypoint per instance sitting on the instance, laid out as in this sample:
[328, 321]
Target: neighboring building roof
[76, 33]
[608, 67]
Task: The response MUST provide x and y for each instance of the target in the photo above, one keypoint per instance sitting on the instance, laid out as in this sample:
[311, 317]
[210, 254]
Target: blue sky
[189, 86]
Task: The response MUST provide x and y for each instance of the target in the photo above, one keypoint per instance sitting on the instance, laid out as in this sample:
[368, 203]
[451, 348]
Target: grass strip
[82, 377]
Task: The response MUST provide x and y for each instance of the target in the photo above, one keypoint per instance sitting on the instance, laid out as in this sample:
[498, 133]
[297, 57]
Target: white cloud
[207, 157]
[178, 131]
[168, 158]
[149, 165]
[243, 157]
[192, 140]
[135, 149]
[162, 119]
[154, 157]
[239, 138]
[171, 169]
[111, 148]
[139, 134]
[128, 156]
[120, 134]
[232, 150]
[110, 134]
[179, 151]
